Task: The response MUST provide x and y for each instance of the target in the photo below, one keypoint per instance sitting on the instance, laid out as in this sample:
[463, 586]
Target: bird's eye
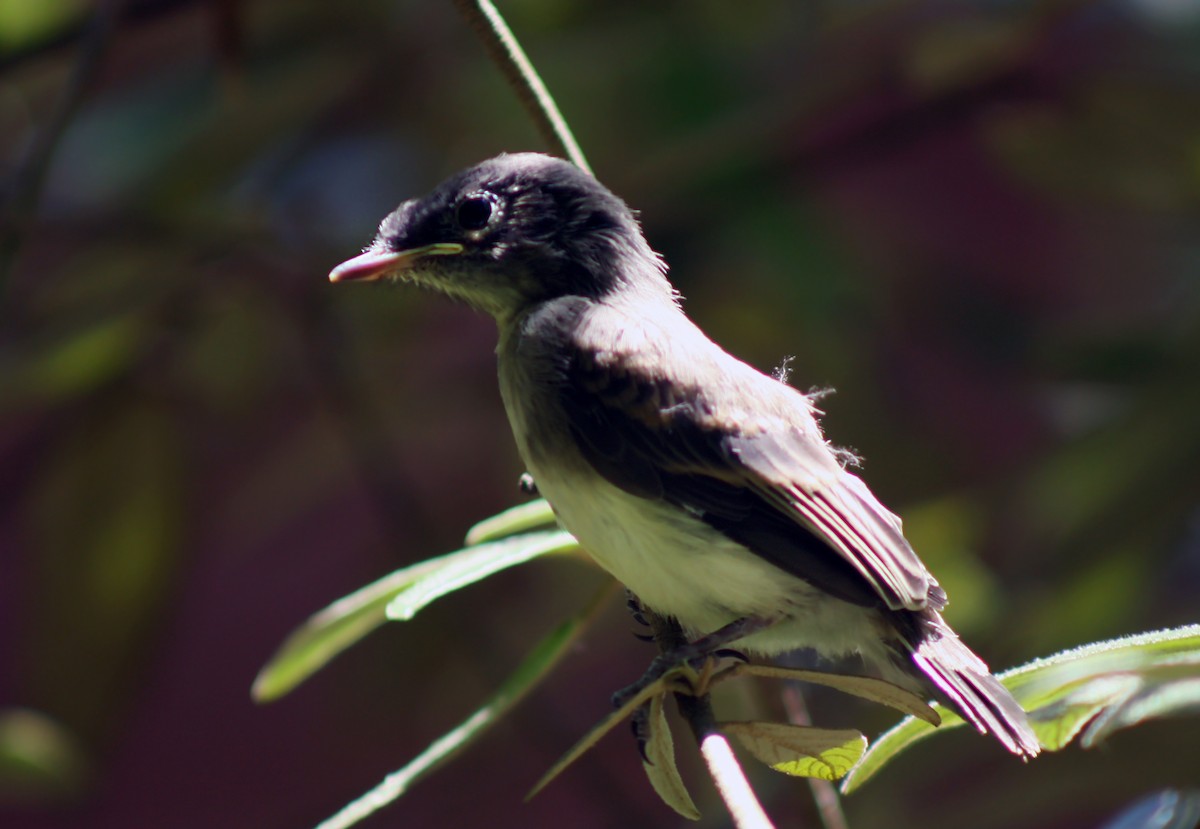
[475, 211]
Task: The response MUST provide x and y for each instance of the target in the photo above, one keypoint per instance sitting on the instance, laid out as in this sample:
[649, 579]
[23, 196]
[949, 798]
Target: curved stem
[732, 784]
[503, 48]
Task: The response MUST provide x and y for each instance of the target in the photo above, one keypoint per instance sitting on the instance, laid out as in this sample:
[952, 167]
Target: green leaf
[474, 564]
[519, 519]
[399, 595]
[891, 743]
[866, 687]
[541, 659]
[659, 763]
[800, 751]
[1087, 693]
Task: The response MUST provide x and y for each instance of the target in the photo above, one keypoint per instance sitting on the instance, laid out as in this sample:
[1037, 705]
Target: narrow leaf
[869, 688]
[1169, 698]
[474, 564]
[800, 751]
[534, 515]
[660, 763]
[349, 619]
[1061, 721]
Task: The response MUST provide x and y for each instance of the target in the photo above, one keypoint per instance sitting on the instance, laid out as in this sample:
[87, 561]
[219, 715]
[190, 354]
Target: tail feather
[969, 686]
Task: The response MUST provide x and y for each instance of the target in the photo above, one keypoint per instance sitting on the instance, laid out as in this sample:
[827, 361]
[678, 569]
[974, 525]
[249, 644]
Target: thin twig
[723, 766]
[731, 782]
[503, 48]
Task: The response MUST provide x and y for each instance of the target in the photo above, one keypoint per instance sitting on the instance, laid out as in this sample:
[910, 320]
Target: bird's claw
[693, 654]
[731, 653]
[634, 606]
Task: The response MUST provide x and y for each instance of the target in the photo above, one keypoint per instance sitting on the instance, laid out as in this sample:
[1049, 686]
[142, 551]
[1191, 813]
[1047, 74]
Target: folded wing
[768, 479]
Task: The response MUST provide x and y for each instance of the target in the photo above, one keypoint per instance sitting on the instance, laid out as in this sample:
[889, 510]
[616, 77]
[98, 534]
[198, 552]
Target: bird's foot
[634, 605]
[693, 654]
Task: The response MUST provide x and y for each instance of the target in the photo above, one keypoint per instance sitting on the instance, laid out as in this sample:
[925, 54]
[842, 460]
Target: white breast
[679, 566]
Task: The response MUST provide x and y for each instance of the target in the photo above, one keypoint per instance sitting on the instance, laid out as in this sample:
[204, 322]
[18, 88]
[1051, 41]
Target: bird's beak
[375, 264]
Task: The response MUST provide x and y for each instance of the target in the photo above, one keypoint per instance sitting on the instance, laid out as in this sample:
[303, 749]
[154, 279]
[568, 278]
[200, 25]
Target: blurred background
[976, 221]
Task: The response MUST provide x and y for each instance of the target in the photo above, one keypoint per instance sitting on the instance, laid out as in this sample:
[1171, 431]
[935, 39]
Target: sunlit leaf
[474, 564]
[1059, 722]
[519, 519]
[349, 619]
[800, 751]
[1170, 697]
[659, 762]
[1086, 693]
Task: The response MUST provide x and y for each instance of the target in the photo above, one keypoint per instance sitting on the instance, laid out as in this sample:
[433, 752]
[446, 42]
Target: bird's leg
[689, 652]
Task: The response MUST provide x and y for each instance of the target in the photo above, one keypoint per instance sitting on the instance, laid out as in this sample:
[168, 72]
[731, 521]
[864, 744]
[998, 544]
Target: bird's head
[511, 232]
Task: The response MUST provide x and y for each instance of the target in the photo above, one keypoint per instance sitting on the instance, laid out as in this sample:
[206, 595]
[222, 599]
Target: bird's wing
[749, 460]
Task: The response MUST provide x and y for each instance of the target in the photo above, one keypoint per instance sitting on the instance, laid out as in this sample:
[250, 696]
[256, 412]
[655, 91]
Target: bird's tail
[969, 686]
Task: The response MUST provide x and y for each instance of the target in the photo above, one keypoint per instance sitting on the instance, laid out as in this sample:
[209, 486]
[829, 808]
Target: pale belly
[679, 566]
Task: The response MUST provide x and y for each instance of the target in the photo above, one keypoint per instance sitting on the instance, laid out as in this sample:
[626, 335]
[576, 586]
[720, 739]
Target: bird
[702, 484]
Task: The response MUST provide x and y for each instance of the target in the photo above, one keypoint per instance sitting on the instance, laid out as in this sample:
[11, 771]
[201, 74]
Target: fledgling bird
[702, 484]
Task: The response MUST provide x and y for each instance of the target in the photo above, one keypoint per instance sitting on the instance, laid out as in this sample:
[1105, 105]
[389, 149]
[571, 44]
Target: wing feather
[767, 480]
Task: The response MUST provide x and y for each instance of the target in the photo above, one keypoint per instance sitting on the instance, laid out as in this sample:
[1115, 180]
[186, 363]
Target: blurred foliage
[976, 220]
